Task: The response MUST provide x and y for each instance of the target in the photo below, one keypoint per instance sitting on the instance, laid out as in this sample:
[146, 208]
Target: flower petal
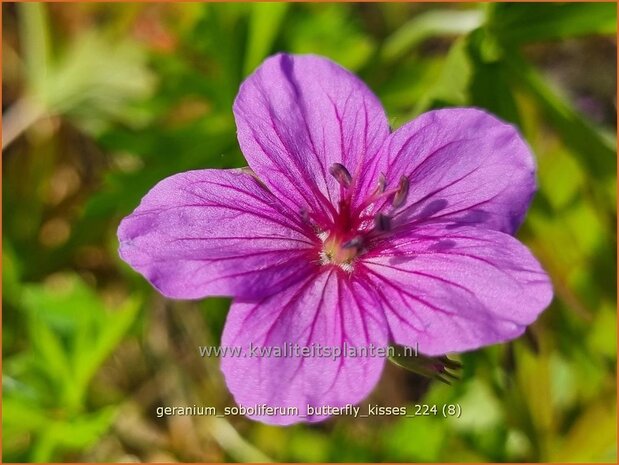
[214, 232]
[464, 166]
[328, 311]
[296, 116]
[459, 289]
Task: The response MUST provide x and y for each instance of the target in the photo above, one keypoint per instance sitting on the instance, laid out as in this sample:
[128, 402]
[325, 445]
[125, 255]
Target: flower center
[352, 232]
[338, 252]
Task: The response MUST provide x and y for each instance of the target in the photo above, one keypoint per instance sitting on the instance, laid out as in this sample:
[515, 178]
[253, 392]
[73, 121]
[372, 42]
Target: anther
[382, 222]
[354, 243]
[400, 196]
[380, 188]
[341, 174]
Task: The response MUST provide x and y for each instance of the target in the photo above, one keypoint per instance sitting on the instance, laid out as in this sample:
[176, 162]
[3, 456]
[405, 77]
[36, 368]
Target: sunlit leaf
[429, 24]
[452, 85]
[264, 23]
[332, 30]
[593, 437]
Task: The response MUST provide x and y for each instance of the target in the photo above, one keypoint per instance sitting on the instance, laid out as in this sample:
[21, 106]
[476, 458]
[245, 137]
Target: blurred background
[101, 101]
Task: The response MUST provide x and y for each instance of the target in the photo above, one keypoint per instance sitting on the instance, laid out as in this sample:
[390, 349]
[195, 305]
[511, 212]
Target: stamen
[400, 196]
[382, 222]
[306, 218]
[378, 194]
[324, 258]
[354, 243]
[346, 267]
[382, 182]
[341, 174]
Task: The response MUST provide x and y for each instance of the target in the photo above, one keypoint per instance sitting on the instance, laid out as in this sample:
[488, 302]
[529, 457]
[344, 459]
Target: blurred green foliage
[104, 100]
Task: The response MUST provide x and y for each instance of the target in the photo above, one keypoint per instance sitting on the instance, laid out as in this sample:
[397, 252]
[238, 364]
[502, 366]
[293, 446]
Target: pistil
[350, 233]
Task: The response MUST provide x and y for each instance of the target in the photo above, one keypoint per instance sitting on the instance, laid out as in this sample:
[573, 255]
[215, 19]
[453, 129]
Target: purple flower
[345, 233]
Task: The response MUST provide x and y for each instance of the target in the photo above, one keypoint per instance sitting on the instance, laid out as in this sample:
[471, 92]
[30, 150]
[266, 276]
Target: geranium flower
[345, 233]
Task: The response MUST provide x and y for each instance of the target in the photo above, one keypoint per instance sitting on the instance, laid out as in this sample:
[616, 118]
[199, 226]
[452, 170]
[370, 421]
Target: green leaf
[95, 80]
[11, 273]
[519, 23]
[264, 23]
[332, 31]
[603, 335]
[401, 91]
[73, 334]
[430, 24]
[218, 45]
[34, 35]
[51, 357]
[429, 434]
[93, 352]
[20, 414]
[452, 85]
[592, 438]
[76, 434]
[535, 386]
[489, 87]
[481, 410]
